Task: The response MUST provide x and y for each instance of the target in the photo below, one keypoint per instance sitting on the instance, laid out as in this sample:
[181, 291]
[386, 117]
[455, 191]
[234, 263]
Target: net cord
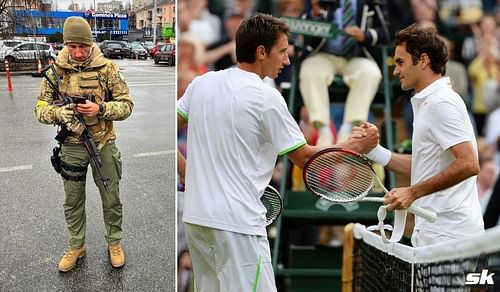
[449, 250]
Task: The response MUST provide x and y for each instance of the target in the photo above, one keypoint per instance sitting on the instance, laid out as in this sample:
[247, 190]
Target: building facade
[43, 23]
[147, 18]
[112, 6]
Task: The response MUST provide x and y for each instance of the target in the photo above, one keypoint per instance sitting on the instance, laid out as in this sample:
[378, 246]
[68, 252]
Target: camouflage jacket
[96, 76]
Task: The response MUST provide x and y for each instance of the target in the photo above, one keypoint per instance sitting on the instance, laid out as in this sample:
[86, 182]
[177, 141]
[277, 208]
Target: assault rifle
[86, 137]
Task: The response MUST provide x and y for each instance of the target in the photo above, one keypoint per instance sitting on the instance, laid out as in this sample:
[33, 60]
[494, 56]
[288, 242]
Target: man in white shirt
[238, 125]
[444, 160]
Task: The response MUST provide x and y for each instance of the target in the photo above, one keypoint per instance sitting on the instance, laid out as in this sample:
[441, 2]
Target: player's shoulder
[271, 91]
[446, 94]
[448, 102]
[207, 78]
[272, 97]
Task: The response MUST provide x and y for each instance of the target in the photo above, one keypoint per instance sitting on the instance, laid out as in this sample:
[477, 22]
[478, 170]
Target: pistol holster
[55, 159]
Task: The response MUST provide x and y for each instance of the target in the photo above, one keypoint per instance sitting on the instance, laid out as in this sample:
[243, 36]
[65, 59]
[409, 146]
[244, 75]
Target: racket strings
[339, 177]
[273, 204]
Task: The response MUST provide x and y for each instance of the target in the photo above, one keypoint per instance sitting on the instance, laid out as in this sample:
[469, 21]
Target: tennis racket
[341, 176]
[271, 199]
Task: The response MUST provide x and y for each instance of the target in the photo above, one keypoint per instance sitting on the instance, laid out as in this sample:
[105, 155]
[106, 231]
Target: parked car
[30, 51]
[57, 47]
[113, 49]
[155, 49]
[136, 49]
[166, 54]
[105, 42]
[147, 45]
[9, 44]
[119, 49]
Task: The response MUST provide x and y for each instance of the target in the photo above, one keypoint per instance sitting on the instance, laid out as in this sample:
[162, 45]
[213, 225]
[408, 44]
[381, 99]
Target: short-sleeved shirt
[237, 126]
[441, 121]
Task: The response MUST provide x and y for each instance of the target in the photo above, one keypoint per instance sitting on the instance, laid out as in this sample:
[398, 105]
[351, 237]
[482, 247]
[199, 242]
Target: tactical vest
[90, 83]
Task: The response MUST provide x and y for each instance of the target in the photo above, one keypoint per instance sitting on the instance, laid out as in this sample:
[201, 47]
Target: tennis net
[466, 265]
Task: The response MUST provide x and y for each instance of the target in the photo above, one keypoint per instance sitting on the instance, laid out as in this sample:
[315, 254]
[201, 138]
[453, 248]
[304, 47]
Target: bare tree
[9, 19]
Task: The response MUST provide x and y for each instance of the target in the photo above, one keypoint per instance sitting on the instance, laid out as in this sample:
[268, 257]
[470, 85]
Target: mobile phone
[78, 99]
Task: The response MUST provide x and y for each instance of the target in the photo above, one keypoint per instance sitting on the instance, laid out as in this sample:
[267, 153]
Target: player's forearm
[300, 155]
[400, 163]
[458, 171]
[214, 55]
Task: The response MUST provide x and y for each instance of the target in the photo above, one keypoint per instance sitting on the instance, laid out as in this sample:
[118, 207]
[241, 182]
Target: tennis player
[238, 125]
[444, 160]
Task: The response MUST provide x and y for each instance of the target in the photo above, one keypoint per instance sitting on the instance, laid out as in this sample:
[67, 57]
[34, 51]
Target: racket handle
[426, 214]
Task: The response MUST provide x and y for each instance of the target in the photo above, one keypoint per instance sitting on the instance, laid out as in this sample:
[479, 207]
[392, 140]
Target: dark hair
[419, 40]
[259, 29]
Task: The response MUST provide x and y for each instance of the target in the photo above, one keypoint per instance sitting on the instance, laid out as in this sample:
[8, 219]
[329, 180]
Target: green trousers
[74, 163]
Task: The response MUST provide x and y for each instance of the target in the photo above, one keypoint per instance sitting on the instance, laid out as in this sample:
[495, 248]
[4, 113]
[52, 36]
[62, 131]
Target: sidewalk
[16, 73]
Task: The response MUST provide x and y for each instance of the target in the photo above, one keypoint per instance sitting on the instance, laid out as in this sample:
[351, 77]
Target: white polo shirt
[440, 122]
[237, 126]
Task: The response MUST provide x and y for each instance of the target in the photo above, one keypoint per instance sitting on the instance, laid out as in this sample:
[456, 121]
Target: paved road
[32, 229]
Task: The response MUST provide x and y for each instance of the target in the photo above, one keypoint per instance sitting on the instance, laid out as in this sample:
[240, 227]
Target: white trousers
[317, 73]
[225, 261]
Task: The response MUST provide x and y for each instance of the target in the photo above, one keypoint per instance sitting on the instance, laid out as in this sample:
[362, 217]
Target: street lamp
[154, 22]
[95, 20]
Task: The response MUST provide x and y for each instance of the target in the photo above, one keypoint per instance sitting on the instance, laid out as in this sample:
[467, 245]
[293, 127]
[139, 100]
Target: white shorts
[225, 261]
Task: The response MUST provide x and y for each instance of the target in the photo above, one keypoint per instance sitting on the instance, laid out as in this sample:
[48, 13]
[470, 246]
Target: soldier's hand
[88, 108]
[76, 128]
[65, 114]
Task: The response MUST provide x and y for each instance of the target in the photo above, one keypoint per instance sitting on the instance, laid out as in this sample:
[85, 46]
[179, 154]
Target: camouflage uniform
[99, 77]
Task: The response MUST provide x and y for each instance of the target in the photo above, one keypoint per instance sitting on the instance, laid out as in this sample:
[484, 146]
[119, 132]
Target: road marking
[155, 153]
[16, 168]
[148, 84]
[130, 84]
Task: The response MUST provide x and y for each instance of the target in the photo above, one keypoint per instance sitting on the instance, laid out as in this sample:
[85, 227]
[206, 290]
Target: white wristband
[380, 155]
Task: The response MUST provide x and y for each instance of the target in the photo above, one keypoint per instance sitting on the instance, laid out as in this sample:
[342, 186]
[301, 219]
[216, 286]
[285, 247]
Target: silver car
[30, 51]
[137, 51]
[9, 44]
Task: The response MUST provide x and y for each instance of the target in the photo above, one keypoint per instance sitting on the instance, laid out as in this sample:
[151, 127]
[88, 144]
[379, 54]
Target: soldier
[85, 72]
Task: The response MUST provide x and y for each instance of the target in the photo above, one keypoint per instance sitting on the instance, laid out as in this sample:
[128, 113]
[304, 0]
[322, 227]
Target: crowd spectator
[485, 181]
[455, 13]
[345, 56]
[484, 71]
[204, 26]
[191, 55]
[221, 55]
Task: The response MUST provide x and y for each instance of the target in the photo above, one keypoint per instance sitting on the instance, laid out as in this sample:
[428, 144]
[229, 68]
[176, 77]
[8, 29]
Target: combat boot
[70, 258]
[116, 255]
